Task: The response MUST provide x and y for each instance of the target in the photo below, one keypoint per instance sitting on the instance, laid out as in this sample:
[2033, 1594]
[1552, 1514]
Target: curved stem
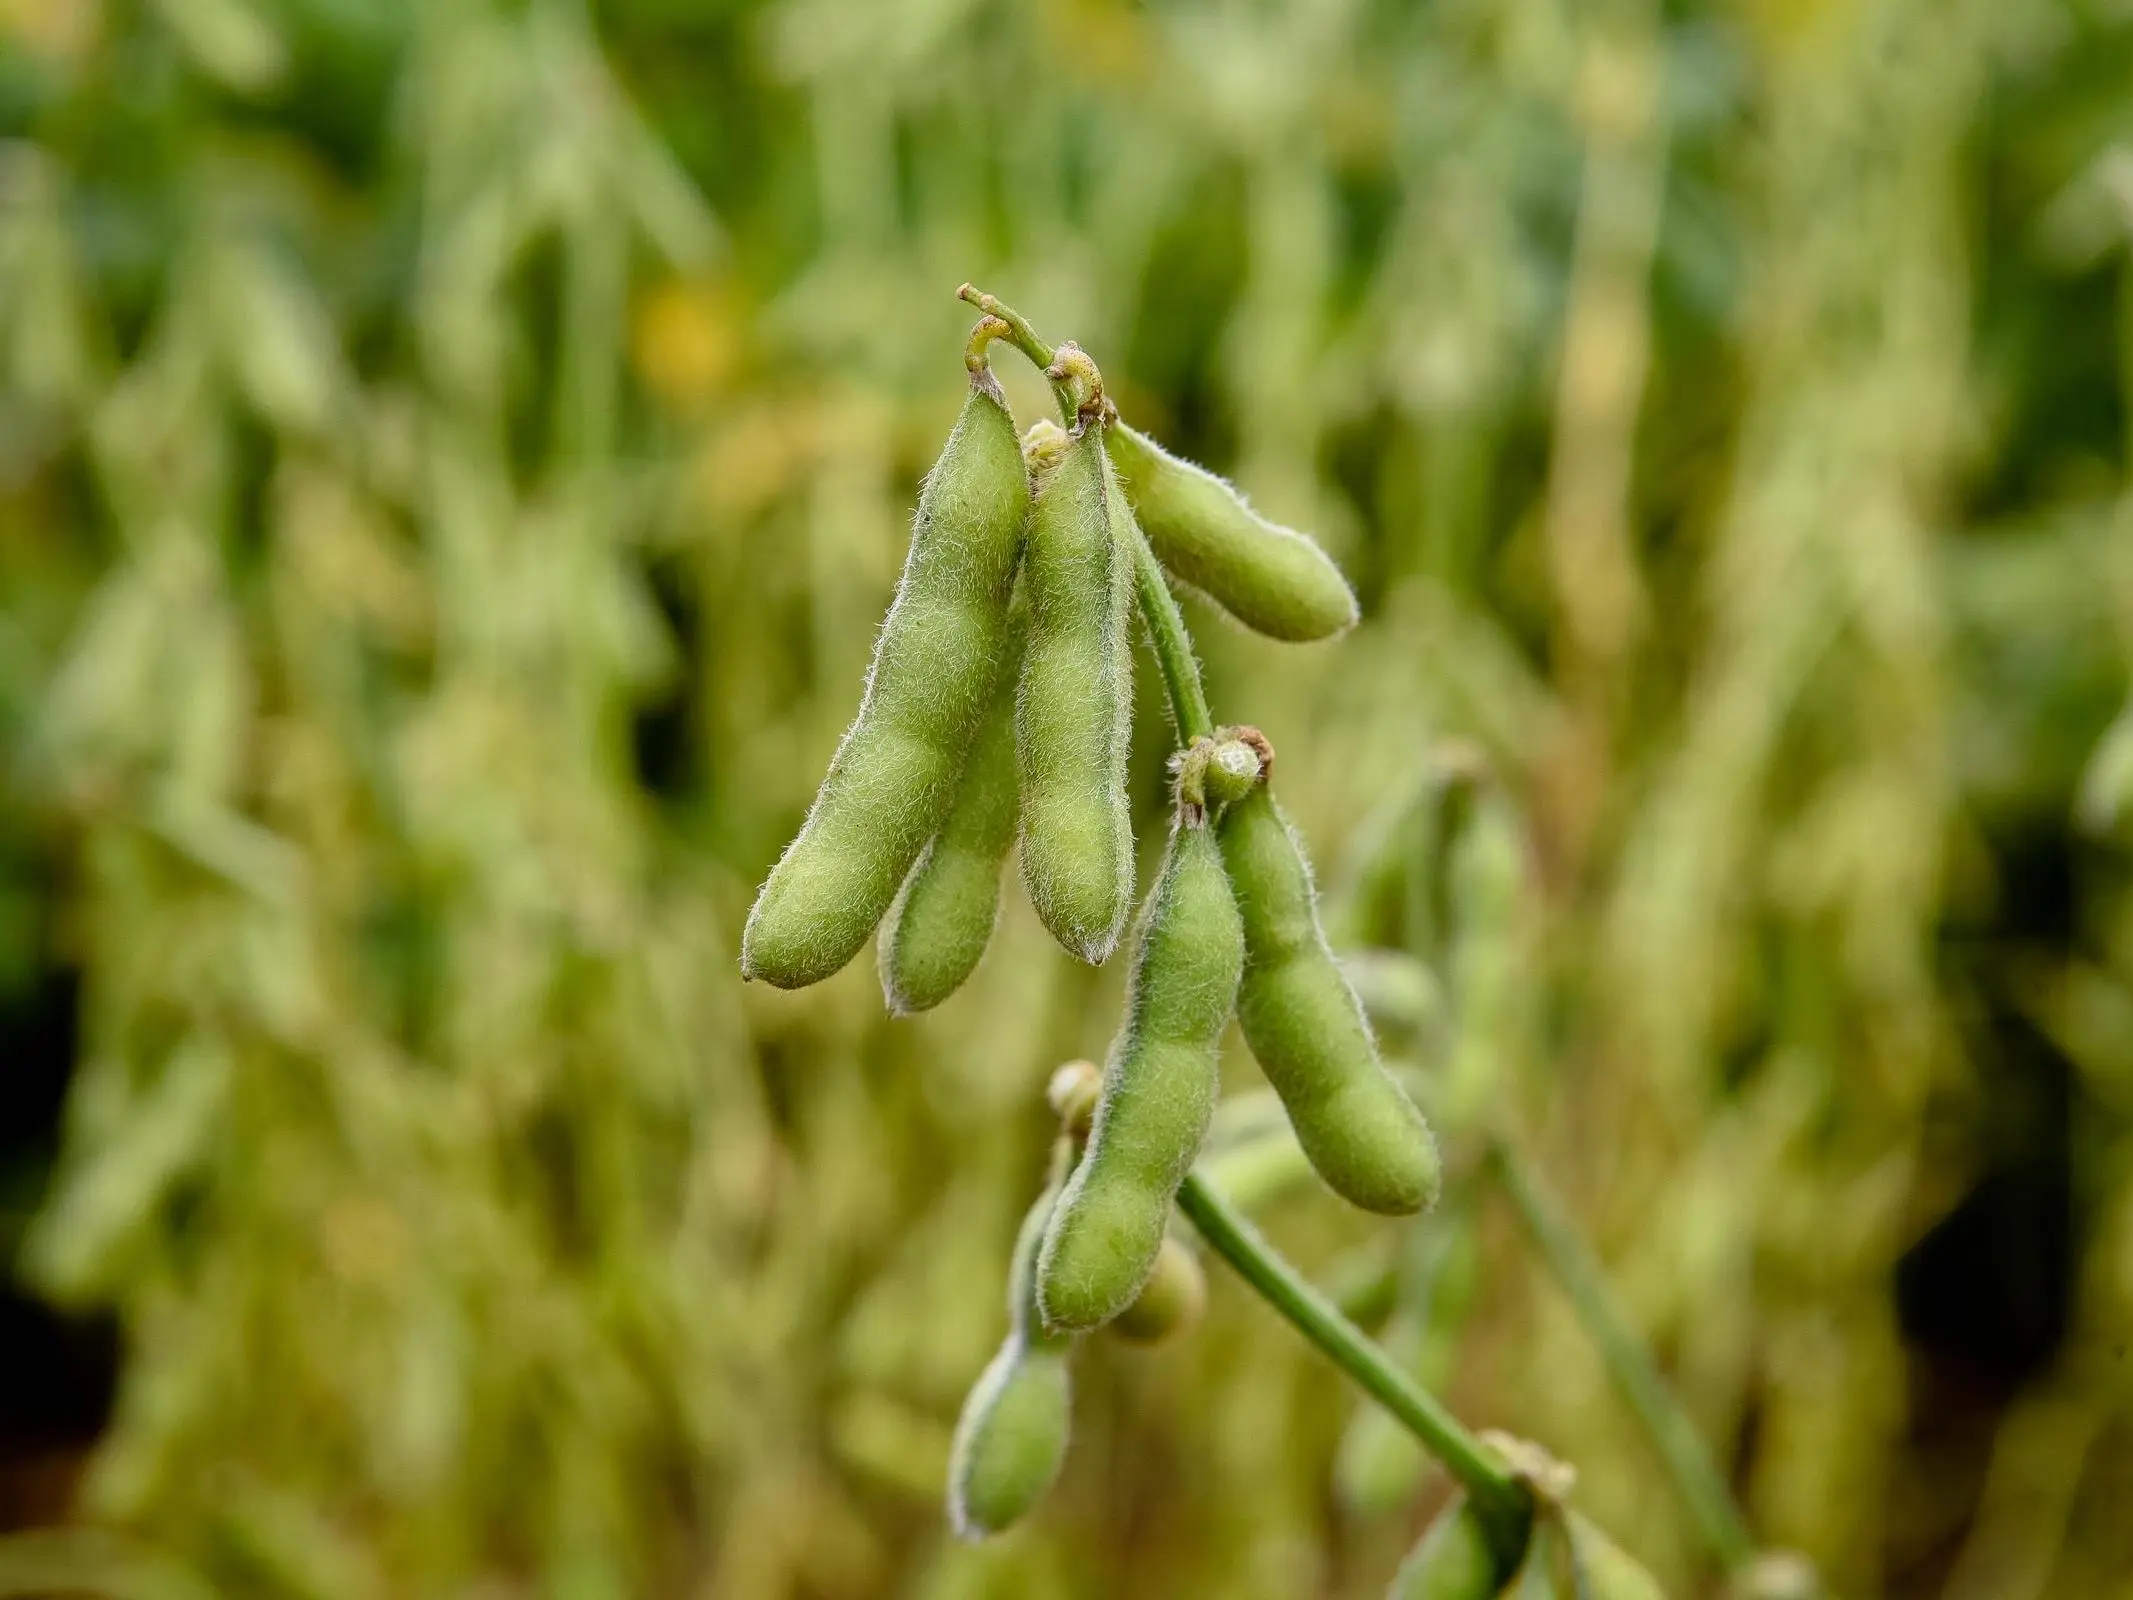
[988, 329]
[1071, 387]
[1173, 646]
[1504, 1505]
[1680, 1447]
[1019, 332]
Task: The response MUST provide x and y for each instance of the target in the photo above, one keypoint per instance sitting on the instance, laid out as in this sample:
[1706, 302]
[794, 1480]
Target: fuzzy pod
[1012, 1435]
[1602, 1569]
[942, 919]
[1072, 714]
[1158, 1092]
[1172, 1300]
[893, 779]
[1301, 1017]
[1270, 578]
[1453, 1560]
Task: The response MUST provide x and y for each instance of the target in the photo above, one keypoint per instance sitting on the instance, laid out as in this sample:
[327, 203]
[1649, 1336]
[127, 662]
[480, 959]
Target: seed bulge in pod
[1268, 577]
[893, 779]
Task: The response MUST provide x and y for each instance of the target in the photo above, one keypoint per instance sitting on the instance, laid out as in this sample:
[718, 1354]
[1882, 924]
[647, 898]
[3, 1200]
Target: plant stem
[1504, 1505]
[1173, 646]
[1571, 1263]
[1019, 333]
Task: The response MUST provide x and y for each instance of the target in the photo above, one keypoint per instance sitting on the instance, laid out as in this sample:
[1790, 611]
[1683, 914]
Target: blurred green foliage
[453, 457]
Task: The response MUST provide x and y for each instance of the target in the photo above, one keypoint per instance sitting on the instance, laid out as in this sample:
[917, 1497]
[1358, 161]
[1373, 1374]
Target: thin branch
[1173, 646]
[1571, 1263]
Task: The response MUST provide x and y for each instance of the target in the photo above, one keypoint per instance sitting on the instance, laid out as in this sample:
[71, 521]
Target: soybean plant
[984, 725]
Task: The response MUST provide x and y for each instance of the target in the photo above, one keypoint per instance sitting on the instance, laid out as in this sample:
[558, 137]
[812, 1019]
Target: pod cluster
[996, 714]
[996, 707]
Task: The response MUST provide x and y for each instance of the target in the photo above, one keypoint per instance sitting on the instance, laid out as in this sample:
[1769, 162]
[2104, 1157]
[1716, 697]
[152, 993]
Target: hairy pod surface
[1158, 1091]
[893, 778]
[1072, 716]
[1270, 578]
[1172, 1300]
[1012, 1435]
[1301, 1017]
[1451, 1561]
[942, 919]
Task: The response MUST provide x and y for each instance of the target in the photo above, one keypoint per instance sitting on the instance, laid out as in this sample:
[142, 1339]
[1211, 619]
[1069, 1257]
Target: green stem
[1173, 646]
[1571, 1263]
[1015, 329]
[1019, 333]
[1505, 1506]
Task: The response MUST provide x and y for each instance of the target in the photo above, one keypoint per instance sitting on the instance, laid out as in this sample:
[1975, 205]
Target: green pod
[1071, 719]
[943, 917]
[1453, 1560]
[1602, 1569]
[1158, 1092]
[1012, 1435]
[1301, 1017]
[1173, 1298]
[893, 778]
[1270, 578]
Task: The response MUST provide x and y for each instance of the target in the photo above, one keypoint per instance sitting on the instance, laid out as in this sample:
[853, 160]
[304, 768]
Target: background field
[453, 457]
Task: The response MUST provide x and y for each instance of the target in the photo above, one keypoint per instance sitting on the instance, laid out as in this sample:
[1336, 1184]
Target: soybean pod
[1012, 1435]
[1270, 578]
[1602, 1569]
[1173, 1298]
[1301, 1017]
[1158, 1090]
[943, 917]
[1453, 1560]
[893, 778]
[1071, 721]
